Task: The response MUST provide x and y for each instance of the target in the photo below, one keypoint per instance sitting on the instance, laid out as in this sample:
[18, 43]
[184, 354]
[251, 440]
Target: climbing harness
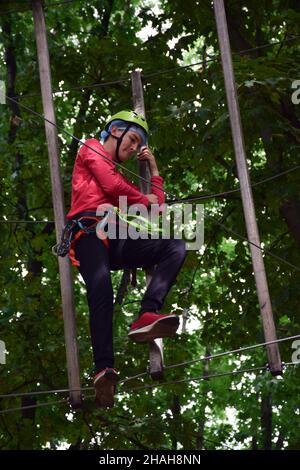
[86, 223]
[83, 223]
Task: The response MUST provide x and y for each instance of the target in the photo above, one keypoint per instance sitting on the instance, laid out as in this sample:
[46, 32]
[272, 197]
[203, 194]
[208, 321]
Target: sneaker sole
[162, 328]
[105, 389]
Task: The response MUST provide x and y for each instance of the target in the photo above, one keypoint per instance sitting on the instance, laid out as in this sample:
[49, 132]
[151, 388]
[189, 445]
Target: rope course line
[42, 392]
[84, 87]
[40, 405]
[182, 200]
[263, 250]
[279, 258]
[177, 201]
[219, 195]
[37, 405]
[142, 178]
[86, 145]
[26, 221]
[205, 358]
[150, 418]
[139, 176]
[196, 379]
[217, 58]
[204, 377]
[233, 351]
[232, 232]
[158, 72]
[119, 164]
[145, 387]
[56, 4]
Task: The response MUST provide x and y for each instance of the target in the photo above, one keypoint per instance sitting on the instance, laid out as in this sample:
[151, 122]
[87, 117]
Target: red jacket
[96, 181]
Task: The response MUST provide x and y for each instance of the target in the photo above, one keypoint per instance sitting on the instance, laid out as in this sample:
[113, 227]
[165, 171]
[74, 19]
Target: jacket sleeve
[158, 181]
[111, 180]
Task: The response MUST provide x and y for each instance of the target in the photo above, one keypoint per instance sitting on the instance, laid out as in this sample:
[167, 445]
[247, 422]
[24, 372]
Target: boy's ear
[114, 130]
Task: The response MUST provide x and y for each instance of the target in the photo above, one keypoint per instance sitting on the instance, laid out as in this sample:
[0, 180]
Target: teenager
[96, 181]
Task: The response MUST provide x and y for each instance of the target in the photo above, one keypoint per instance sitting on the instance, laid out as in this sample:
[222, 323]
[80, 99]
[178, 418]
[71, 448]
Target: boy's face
[131, 143]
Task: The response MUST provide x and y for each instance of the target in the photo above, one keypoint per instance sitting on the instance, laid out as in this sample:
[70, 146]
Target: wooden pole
[246, 192]
[66, 283]
[156, 357]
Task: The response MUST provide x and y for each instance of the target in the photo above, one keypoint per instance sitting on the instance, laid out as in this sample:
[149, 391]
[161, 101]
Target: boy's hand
[152, 198]
[146, 155]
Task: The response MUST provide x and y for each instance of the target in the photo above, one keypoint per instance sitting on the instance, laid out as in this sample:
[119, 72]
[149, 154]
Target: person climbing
[96, 181]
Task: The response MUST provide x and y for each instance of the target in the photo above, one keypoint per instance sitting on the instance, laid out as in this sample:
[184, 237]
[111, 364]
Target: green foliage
[101, 41]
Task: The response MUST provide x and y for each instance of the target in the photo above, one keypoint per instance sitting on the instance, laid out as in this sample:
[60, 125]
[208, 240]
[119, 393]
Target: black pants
[96, 262]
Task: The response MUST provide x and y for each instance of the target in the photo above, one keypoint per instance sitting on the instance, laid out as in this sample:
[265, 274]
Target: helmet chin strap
[119, 140]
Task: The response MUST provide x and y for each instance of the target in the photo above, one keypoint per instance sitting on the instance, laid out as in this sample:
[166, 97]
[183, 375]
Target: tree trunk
[279, 442]
[176, 411]
[266, 421]
[254, 445]
[202, 419]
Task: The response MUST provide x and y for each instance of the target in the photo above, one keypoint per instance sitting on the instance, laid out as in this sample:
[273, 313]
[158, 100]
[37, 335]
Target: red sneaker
[105, 383]
[151, 325]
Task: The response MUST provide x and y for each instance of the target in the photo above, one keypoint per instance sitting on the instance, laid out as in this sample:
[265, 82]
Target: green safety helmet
[126, 120]
[129, 116]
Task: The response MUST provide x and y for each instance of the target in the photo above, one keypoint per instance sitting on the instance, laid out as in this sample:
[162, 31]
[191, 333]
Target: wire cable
[42, 392]
[225, 193]
[182, 200]
[143, 374]
[178, 201]
[83, 87]
[210, 196]
[263, 250]
[37, 405]
[152, 184]
[11, 221]
[173, 382]
[158, 72]
[88, 146]
[218, 57]
[175, 199]
[232, 232]
[233, 351]
[204, 377]
[196, 379]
